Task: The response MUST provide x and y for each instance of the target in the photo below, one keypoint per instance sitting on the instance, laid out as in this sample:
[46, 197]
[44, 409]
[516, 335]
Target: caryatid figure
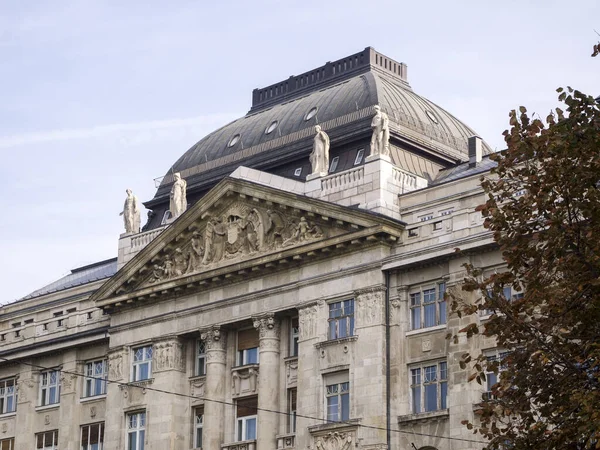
[319, 158]
[178, 198]
[380, 140]
[131, 213]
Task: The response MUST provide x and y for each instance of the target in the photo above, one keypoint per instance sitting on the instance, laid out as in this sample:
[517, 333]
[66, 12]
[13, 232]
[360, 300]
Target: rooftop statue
[380, 140]
[178, 199]
[131, 213]
[319, 158]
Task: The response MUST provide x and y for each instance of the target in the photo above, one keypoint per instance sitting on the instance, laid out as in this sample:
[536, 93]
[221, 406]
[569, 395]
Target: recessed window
[247, 347]
[337, 397]
[7, 444]
[200, 358]
[291, 410]
[294, 336]
[298, 172]
[234, 140]
[446, 212]
[428, 307]
[334, 164]
[246, 419]
[49, 387]
[7, 396]
[92, 436]
[341, 319]
[414, 232]
[429, 387]
[166, 216]
[199, 420]
[497, 361]
[271, 127]
[136, 430]
[47, 440]
[96, 373]
[142, 363]
[426, 217]
[437, 226]
[359, 157]
[431, 116]
[310, 114]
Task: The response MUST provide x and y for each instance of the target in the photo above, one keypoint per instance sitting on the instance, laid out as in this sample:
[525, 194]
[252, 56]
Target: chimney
[475, 150]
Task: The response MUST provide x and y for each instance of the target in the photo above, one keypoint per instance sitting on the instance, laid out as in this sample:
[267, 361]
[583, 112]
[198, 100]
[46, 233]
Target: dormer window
[298, 172]
[311, 113]
[271, 127]
[234, 140]
[334, 164]
[359, 156]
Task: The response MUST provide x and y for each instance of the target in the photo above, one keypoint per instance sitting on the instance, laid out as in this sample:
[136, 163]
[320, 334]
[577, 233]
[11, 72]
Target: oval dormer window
[234, 140]
[271, 127]
[310, 114]
[431, 116]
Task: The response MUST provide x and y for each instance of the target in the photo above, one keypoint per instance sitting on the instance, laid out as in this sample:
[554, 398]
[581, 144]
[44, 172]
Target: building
[283, 309]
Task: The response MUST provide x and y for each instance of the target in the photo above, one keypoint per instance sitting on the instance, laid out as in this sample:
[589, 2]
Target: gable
[238, 229]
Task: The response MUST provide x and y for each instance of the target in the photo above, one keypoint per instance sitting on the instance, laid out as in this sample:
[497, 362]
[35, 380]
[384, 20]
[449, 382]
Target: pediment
[236, 228]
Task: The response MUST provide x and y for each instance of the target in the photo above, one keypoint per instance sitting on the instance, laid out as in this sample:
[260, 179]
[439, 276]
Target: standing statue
[319, 158]
[380, 140]
[178, 199]
[131, 213]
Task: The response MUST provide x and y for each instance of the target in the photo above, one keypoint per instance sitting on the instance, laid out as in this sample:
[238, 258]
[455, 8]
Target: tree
[543, 208]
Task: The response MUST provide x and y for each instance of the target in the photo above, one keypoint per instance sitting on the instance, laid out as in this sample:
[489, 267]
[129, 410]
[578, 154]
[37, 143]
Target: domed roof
[340, 97]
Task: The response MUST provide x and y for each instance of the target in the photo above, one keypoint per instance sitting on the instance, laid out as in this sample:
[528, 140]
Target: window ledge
[424, 417]
[140, 383]
[240, 445]
[8, 415]
[290, 358]
[336, 341]
[47, 407]
[197, 377]
[245, 366]
[332, 426]
[92, 398]
[426, 330]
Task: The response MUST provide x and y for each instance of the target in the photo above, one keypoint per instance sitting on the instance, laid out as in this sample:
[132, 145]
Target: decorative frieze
[24, 388]
[169, 355]
[307, 320]
[370, 306]
[335, 440]
[244, 380]
[115, 364]
[286, 441]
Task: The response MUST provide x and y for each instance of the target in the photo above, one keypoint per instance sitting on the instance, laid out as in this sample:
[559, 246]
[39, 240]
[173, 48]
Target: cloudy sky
[98, 96]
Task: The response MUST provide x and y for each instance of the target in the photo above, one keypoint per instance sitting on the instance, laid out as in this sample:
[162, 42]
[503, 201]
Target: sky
[100, 96]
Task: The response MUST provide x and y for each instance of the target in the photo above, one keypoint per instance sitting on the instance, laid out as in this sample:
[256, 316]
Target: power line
[179, 394]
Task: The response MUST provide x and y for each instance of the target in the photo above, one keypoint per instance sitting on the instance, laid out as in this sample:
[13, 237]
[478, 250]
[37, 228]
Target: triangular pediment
[237, 227]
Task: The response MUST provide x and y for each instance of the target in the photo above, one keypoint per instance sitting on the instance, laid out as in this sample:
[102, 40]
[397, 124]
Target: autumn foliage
[543, 208]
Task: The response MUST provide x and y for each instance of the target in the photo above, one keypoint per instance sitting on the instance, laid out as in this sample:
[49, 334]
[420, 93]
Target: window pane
[252, 356]
[416, 396]
[250, 429]
[345, 406]
[429, 296]
[443, 394]
[142, 439]
[415, 318]
[415, 299]
[443, 312]
[132, 441]
[343, 330]
[430, 315]
[332, 329]
[332, 408]
[143, 371]
[431, 397]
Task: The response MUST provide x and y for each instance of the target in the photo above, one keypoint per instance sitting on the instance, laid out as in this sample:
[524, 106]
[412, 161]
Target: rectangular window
[509, 294]
[47, 440]
[7, 444]
[92, 436]
[136, 430]
[413, 232]
[298, 172]
[8, 397]
[96, 373]
[429, 387]
[200, 358]
[334, 163]
[495, 360]
[199, 421]
[294, 335]
[142, 363]
[341, 319]
[428, 307]
[246, 419]
[292, 401]
[359, 157]
[437, 226]
[337, 397]
[49, 387]
[247, 347]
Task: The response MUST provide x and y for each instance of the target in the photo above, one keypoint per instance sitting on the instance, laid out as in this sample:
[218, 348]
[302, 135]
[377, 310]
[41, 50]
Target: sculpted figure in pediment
[180, 262]
[214, 241]
[275, 228]
[196, 253]
[303, 231]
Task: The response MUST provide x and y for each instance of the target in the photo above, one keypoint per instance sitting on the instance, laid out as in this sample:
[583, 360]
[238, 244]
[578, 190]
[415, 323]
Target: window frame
[11, 443]
[418, 381]
[90, 381]
[496, 355]
[246, 356]
[100, 435]
[419, 302]
[335, 332]
[141, 417]
[135, 365]
[198, 427]
[511, 297]
[54, 443]
[200, 366]
[333, 165]
[8, 397]
[360, 154]
[337, 386]
[45, 389]
[294, 336]
[292, 409]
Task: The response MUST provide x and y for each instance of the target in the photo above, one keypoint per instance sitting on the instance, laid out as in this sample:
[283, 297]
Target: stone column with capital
[268, 380]
[214, 412]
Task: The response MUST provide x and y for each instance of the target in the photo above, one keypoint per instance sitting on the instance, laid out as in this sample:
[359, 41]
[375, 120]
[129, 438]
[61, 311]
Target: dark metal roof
[464, 170]
[78, 277]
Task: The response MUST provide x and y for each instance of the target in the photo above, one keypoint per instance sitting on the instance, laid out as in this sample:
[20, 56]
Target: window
[298, 172]
[47, 440]
[341, 319]
[95, 378]
[92, 436]
[292, 401]
[431, 116]
[246, 419]
[136, 430]
[234, 140]
[271, 127]
[142, 363]
[166, 217]
[294, 335]
[359, 157]
[247, 347]
[49, 388]
[429, 387]
[199, 422]
[334, 164]
[7, 444]
[509, 294]
[428, 307]
[437, 226]
[8, 401]
[200, 358]
[337, 397]
[494, 360]
[310, 114]
[413, 232]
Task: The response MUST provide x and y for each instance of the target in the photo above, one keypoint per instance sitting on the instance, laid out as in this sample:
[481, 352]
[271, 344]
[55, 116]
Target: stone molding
[307, 320]
[115, 363]
[269, 330]
[369, 306]
[169, 354]
[215, 340]
[244, 380]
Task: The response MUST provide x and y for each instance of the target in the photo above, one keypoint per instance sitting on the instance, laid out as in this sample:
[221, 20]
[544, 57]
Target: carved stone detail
[66, 381]
[115, 365]
[92, 412]
[269, 332]
[369, 306]
[307, 321]
[334, 441]
[426, 345]
[291, 370]
[244, 380]
[24, 387]
[198, 387]
[169, 355]
[47, 419]
[216, 344]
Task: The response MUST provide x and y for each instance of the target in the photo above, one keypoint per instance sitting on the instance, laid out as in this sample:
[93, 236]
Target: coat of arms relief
[240, 231]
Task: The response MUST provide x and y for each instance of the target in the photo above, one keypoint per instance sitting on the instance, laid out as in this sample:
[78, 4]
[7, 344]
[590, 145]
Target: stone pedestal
[268, 380]
[214, 412]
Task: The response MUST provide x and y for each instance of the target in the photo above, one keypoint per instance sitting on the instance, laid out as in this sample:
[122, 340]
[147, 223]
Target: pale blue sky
[98, 96]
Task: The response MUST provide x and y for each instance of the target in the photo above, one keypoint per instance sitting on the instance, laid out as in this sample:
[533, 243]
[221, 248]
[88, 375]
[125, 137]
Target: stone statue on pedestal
[319, 158]
[178, 199]
[131, 213]
[380, 140]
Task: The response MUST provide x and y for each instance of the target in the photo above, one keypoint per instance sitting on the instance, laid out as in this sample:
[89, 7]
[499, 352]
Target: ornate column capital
[268, 330]
[215, 340]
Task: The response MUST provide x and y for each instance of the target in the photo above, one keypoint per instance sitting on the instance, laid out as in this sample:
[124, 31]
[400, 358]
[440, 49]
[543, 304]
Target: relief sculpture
[239, 232]
[334, 441]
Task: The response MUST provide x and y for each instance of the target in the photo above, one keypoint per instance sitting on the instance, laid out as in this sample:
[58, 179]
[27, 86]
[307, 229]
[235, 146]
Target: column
[214, 412]
[268, 380]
